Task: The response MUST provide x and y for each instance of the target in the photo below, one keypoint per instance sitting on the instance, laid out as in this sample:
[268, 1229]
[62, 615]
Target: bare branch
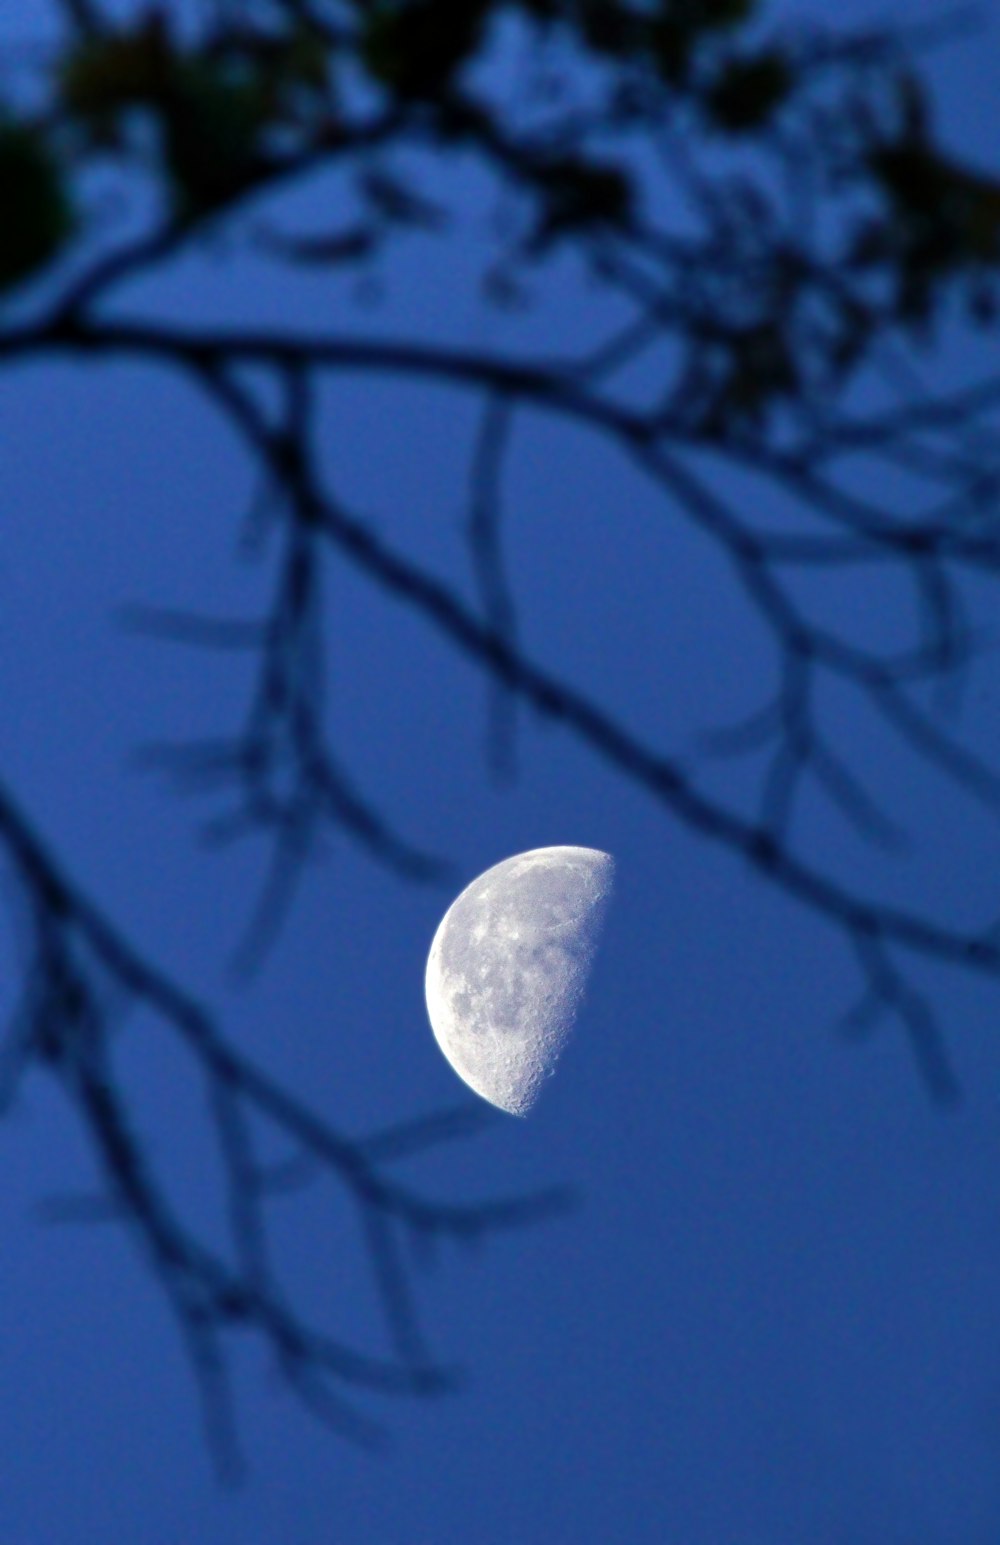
[750, 293]
[660, 775]
[66, 1030]
[484, 541]
[890, 992]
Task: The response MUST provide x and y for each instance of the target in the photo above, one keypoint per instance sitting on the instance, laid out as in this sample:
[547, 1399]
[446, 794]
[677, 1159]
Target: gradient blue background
[773, 1317]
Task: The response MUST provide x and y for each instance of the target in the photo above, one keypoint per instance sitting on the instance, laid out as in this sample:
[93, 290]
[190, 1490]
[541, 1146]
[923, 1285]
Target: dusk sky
[771, 1317]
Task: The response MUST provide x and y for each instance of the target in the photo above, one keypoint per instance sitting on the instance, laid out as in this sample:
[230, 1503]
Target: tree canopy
[780, 238]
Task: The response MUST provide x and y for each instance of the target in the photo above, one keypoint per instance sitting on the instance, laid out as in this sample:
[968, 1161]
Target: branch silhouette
[778, 238]
[63, 1024]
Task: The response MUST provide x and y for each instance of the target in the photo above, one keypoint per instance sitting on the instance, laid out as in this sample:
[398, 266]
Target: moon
[508, 966]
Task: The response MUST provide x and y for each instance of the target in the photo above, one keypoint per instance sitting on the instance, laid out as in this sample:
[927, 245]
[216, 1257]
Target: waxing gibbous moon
[508, 966]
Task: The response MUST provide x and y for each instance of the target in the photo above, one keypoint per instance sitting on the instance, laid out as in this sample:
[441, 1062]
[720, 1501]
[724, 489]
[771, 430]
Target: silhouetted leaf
[578, 194]
[416, 49]
[718, 14]
[36, 212]
[109, 71]
[944, 219]
[678, 26]
[212, 128]
[610, 28]
[748, 91]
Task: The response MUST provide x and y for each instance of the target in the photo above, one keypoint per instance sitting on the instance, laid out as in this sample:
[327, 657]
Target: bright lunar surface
[508, 966]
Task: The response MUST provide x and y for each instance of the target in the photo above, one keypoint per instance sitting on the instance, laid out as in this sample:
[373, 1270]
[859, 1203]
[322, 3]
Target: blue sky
[771, 1317]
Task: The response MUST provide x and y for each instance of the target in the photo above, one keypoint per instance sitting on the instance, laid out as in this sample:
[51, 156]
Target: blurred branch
[287, 780]
[489, 459]
[753, 291]
[210, 358]
[872, 928]
[75, 947]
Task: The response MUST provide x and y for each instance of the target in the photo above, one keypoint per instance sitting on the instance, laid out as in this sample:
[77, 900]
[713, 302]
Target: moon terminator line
[508, 966]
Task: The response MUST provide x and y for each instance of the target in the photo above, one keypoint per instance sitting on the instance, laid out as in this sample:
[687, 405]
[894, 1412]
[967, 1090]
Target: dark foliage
[826, 235]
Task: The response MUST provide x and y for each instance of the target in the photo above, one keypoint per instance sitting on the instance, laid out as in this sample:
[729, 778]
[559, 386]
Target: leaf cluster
[214, 117]
[216, 107]
[416, 50]
[226, 109]
[940, 221]
[38, 217]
